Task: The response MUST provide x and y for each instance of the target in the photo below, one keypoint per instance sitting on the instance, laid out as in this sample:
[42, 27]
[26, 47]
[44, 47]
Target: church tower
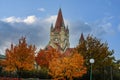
[59, 34]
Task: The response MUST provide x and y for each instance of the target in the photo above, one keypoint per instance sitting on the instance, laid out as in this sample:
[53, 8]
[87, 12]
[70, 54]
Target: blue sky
[32, 18]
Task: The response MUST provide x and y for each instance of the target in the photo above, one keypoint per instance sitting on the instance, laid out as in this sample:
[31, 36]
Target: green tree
[92, 47]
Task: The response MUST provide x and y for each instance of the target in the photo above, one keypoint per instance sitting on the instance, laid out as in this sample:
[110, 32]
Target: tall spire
[59, 21]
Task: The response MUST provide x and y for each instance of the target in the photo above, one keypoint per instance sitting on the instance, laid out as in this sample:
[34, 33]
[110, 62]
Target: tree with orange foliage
[45, 56]
[70, 67]
[20, 57]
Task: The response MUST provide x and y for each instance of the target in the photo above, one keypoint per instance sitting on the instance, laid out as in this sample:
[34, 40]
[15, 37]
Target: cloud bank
[37, 30]
[13, 28]
[99, 29]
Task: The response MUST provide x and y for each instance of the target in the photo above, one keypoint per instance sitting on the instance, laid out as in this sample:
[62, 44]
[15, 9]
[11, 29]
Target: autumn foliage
[20, 57]
[60, 66]
[70, 67]
[45, 56]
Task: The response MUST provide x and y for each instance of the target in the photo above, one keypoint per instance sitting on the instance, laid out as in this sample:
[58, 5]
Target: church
[59, 36]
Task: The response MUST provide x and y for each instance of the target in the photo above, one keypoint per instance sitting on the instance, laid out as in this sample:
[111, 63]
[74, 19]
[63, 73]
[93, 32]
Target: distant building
[2, 57]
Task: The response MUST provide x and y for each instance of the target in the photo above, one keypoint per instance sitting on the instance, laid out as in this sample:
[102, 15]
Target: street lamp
[91, 62]
[119, 69]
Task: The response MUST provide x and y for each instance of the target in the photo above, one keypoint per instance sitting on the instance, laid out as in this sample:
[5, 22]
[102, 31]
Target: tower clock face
[56, 40]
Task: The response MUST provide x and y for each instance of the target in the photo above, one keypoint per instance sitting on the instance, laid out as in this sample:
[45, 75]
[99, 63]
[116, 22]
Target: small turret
[81, 38]
[67, 30]
[51, 28]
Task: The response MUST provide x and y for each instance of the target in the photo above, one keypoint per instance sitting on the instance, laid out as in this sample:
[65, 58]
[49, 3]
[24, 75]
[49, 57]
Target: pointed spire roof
[81, 38]
[59, 22]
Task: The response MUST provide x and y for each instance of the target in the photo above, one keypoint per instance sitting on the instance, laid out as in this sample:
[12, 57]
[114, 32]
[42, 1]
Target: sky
[33, 18]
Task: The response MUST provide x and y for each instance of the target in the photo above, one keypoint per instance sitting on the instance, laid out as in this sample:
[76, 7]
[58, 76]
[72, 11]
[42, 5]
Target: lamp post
[119, 72]
[111, 71]
[91, 62]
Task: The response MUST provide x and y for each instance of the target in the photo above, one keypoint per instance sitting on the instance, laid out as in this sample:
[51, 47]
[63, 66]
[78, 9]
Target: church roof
[59, 22]
[67, 52]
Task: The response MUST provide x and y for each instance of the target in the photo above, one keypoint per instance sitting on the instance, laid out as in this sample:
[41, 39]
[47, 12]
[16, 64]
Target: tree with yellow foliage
[67, 67]
[20, 57]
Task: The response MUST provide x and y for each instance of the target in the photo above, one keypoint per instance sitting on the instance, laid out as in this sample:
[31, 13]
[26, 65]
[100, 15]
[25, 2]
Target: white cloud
[12, 19]
[51, 19]
[30, 19]
[41, 9]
